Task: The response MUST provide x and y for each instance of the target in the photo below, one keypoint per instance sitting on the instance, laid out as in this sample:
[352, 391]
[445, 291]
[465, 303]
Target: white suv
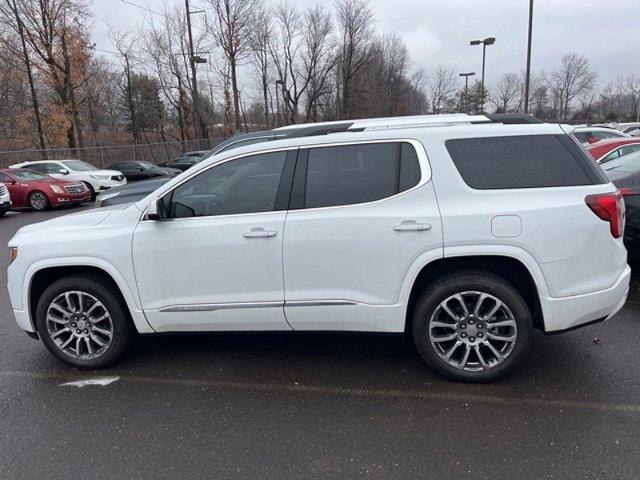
[463, 233]
[5, 200]
[97, 180]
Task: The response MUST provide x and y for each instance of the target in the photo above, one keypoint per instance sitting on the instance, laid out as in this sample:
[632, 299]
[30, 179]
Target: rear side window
[352, 174]
[524, 161]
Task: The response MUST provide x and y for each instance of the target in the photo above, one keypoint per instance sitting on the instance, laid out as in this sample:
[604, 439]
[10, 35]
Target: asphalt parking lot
[317, 406]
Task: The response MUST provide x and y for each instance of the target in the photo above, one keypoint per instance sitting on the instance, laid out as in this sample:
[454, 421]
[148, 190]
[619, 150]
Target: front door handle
[259, 233]
[412, 226]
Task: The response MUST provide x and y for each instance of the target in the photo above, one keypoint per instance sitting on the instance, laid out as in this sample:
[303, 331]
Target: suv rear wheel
[82, 322]
[472, 326]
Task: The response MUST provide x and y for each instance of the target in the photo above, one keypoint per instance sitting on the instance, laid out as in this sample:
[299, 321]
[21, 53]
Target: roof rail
[397, 122]
[513, 118]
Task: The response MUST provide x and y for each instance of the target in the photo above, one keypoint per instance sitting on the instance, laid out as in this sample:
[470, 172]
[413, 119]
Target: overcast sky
[438, 31]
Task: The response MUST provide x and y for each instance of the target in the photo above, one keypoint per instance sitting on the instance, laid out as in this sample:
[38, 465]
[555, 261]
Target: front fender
[129, 292]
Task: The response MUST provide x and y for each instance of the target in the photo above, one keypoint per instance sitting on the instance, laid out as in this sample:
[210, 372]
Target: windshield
[78, 165]
[28, 175]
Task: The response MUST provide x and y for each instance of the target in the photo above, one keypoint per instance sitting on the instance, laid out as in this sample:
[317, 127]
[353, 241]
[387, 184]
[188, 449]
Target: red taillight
[610, 208]
[627, 192]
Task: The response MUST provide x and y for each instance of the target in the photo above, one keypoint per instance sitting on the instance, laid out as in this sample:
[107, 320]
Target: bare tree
[355, 29]
[441, 85]
[318, 57]
[231, 31]
[507, 93]
[572, 79]
[260, 40]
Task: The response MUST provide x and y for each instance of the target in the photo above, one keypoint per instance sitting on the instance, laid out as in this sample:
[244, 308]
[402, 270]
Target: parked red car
[34, 190]
[611, 148]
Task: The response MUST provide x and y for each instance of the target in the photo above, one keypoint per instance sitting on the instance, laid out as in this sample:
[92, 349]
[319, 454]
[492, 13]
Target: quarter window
[246, 185]
[352, 174]
[523, 161]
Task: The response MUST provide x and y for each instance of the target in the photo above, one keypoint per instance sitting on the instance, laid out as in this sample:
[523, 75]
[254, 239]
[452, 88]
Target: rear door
[360, 215]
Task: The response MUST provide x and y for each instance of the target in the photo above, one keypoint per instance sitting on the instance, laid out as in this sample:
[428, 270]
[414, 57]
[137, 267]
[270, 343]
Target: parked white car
[97, 180]
[456, 230]
[5, 200]
[590, 135]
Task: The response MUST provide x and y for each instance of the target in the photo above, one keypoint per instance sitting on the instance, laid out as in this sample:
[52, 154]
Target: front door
[215, 263]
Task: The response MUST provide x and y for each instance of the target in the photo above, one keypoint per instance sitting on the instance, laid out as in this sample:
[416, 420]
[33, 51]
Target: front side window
[611, 156]
[629, 149]
[246, 185]
[352, 174]
[28, 175]
[38, 167]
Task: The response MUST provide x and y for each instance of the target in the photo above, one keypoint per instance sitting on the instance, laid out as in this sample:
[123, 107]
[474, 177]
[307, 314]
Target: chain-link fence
[105, 156]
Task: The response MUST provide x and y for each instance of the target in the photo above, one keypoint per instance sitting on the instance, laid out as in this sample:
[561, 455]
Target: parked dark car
[624, 172]
[140, 170]
[133, 193]
[186, 160]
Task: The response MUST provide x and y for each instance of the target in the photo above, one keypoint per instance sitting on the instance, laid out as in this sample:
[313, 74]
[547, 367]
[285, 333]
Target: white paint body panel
[203, 261]
[349, 253]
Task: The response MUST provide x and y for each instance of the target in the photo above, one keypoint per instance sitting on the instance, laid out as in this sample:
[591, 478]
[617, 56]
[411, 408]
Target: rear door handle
[412, 226]
[259, 233]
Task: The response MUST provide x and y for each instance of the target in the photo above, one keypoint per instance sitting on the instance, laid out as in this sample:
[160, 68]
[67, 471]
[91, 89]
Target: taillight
[610, 208]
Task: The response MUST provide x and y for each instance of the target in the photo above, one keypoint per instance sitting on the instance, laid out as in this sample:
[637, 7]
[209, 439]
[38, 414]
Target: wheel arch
[40, 277]
[510, 268]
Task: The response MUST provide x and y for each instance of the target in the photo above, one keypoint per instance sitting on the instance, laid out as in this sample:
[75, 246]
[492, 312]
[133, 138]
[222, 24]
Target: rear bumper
[571, 312]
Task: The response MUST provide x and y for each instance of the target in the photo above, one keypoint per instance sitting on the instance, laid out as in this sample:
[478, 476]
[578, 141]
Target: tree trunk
[236, 96]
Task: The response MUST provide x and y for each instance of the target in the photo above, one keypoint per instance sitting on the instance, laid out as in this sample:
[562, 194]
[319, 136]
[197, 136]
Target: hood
[87, 218]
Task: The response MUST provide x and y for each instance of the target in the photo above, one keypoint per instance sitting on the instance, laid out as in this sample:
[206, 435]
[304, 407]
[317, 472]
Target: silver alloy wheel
[80, 325]
[38, 201]
[473, 331]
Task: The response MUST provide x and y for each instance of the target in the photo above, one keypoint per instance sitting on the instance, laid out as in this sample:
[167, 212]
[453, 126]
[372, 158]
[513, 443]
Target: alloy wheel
[79, 325]
[38, 201]
[473, 331]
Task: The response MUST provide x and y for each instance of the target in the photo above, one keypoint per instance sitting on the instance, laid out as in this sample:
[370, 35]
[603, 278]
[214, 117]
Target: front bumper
[5, 205]
[571, 312]
[102, 185]
[60, 200]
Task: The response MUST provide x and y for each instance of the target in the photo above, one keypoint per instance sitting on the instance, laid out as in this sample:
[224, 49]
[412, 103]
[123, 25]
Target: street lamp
[466, 89]
[528, 74]
[487, 41]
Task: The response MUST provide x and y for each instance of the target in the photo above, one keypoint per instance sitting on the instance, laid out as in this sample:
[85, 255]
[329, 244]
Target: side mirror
[156, 211]
[63, 171]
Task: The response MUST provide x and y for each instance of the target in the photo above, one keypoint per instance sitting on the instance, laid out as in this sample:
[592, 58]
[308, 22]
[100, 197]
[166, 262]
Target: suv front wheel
[472, 326]
[82, 322]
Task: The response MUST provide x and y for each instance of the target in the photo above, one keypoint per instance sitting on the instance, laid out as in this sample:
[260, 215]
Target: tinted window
[38, 167]
[79, 165]
[246, 185]
[629, 149]
[530, 161]
[582, 136]
[4, 178]
[352, 174]
[611, 156]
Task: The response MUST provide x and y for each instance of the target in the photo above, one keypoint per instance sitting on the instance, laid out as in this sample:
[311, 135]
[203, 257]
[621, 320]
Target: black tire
[38, 201]
[122, 330]
[93, 192]
[2, 212]
[471, 282]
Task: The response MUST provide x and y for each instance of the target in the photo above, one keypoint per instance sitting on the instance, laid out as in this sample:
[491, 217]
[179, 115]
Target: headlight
[57, 189]
[104, 197]
[13, 254]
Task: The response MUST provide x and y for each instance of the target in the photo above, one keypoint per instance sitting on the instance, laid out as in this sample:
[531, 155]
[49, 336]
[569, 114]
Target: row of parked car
[51, 183]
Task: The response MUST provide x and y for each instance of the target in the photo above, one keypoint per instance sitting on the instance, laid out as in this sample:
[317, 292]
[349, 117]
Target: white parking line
[101, 381]
[360, 392]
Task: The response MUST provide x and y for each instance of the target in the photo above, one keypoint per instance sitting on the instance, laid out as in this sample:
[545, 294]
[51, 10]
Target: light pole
[487, 41]
[528, 74]
[193, 59]
[466, 89]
